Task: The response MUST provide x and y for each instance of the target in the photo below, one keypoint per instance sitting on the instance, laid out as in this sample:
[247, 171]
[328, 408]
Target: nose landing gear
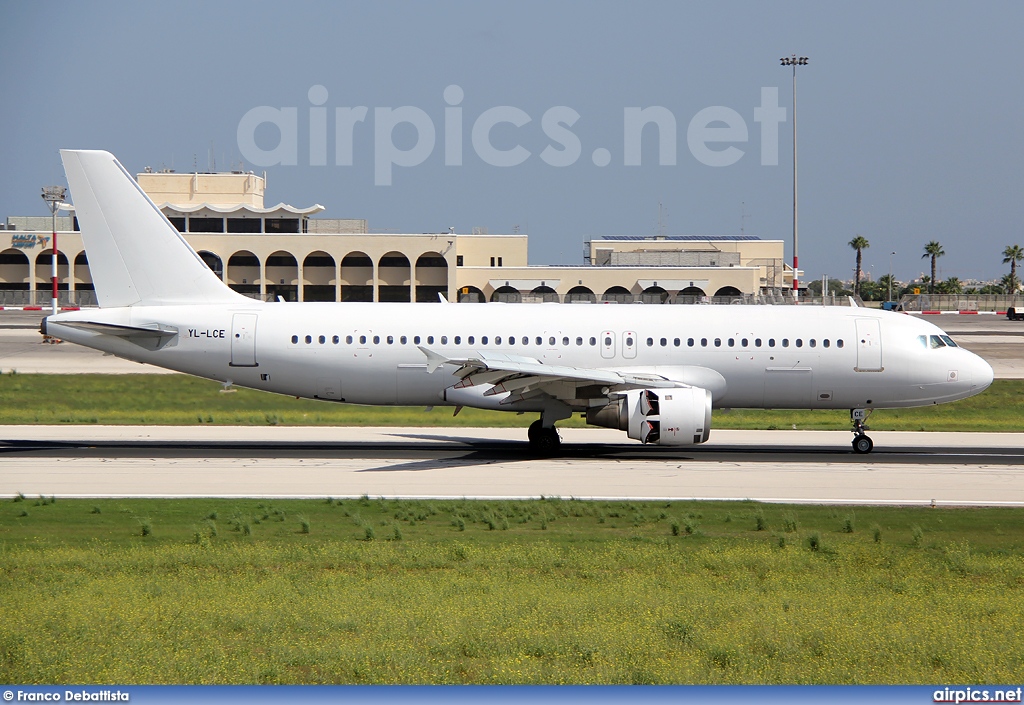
[862, 444]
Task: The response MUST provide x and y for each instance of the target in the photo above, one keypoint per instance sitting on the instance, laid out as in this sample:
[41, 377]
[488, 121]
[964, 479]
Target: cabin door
[243, 340]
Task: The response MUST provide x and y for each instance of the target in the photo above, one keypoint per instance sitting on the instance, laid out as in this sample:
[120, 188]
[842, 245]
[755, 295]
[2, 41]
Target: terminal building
[286, 253]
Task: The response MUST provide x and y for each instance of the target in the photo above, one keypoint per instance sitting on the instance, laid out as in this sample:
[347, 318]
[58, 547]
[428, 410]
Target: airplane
[654, 372]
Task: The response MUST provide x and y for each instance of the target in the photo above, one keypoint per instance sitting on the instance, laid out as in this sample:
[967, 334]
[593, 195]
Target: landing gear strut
[543, 439]
[861, 443]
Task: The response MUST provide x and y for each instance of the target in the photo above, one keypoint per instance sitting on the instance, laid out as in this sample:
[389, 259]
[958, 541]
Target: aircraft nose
[981, 374]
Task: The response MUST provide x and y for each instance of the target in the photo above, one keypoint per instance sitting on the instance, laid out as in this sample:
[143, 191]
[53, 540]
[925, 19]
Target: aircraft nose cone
[982, 374]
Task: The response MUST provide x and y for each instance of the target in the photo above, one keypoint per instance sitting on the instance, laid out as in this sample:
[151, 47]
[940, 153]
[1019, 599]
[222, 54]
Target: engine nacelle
[678, 416]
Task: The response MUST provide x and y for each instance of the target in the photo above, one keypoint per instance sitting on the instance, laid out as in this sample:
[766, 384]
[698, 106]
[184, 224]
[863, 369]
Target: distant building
[283, 252]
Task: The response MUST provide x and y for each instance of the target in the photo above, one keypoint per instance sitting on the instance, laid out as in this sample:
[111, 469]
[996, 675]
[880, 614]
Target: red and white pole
[54, 197]
[53, 263]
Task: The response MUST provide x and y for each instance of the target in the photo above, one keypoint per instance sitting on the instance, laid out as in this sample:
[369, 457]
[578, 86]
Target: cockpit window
[936, 342]
[923, 340]
[949, 341]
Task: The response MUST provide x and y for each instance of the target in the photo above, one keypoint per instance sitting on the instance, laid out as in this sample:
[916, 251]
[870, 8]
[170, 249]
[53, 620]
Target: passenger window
[539, 340]
[703, 342]
[579, 342]
[839, 343]
[551, 341]
[771, 342]
[785, 342]
[444, 340]
[526, 340]
[483, 340]
[799, 342]
[813, 342]
[718, 342]
[949, 341]
[335, 340]
[309, 339]
[322, 340]
[825, 342]
[348, 339]
[511, 340]
[458, 340]
[607, 341]
[629, 341]
[732, 342]
[664, 342]
[565, 340]
[744, 342]
[403, 340]
[295, 339]
[376, 340]
[689, 342]
[757, 342]
[430, 340]
[391, 340]
[650, 341]
[676, 342]
[497, 340]
[416, 340]
[593, 341]
[470, 340]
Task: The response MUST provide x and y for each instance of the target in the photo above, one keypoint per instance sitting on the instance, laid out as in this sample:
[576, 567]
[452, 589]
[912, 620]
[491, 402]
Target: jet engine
[677, 416]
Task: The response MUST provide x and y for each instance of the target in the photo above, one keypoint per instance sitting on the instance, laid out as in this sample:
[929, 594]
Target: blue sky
[909, 114]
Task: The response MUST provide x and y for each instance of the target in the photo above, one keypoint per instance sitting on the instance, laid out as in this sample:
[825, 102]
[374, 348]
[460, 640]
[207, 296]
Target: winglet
[433, 359]
[853, 302]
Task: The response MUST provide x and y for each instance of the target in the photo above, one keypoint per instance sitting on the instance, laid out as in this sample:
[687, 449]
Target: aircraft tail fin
[135, 255]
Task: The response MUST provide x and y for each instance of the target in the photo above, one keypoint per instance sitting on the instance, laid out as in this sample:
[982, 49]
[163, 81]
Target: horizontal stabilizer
[150, 337]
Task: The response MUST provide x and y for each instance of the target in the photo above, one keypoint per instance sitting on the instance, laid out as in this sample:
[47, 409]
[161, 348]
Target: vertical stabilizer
[135, 255]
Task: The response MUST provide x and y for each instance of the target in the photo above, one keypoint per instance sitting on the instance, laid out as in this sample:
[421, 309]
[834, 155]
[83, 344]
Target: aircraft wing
[524, 377]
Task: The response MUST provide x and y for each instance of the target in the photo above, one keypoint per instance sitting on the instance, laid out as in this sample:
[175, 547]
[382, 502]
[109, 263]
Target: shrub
[675, 527]
[96, 510]
[368, 533]
[814, 542]
[760, 523]
[876, 533]
[917, 535]
[789, 523]
[147, 527]
[304, 523]
[848, 524]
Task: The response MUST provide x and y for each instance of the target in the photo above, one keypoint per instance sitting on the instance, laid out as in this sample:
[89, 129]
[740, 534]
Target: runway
[773, 466]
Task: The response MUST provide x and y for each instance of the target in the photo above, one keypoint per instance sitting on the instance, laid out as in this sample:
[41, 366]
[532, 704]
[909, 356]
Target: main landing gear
[543, 439]
[861, 443]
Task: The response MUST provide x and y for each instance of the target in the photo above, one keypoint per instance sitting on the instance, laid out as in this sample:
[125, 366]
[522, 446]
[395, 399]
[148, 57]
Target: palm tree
[858, 243]
[934, 250]
[1012, 255]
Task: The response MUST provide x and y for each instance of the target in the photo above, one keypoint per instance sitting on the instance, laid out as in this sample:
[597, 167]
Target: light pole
[890, 275]
[54, 197]
[794, 61]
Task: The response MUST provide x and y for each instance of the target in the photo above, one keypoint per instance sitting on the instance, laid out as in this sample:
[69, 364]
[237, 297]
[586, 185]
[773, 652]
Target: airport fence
[961, 302]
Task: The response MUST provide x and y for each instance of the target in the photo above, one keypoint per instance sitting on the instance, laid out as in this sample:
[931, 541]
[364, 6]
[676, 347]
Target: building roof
[236, 208]
[655, 238]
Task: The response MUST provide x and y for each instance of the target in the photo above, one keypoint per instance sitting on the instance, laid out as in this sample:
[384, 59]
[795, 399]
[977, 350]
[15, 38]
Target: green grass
[183, 400]
[543, 591]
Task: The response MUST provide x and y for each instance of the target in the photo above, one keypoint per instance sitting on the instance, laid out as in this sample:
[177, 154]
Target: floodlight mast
[54, 197]
[795, 61]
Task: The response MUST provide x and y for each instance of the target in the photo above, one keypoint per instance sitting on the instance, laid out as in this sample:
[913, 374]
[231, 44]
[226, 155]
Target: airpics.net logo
[715, 135]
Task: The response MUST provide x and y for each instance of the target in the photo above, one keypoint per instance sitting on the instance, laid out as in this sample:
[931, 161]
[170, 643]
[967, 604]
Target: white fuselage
[747, 356]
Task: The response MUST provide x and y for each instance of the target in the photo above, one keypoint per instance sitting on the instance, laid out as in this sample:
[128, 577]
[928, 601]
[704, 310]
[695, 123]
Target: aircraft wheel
[543, 440]
[862, 444]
